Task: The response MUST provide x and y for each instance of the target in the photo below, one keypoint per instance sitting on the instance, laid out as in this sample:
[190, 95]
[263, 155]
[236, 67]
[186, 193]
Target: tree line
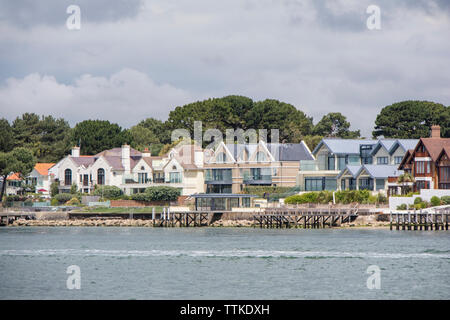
[50, 139]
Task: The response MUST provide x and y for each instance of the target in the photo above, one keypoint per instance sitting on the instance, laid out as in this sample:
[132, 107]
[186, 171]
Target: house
[14, 184]
[40, 178]
[428, 162]
[132, 171]
[230, 167]
[346, 164]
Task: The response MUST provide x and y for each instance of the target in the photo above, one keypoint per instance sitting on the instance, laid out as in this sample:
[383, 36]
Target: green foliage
[335, 124]
[435, 201]
[445, 199]
[405, 177]
[63, 197]
[161, 193]
[73, 188]
[95, 136]
[261, 190]
[73, 202]
[54, 189]
[6, 136]
[108, 192]
[403, 206]
[418, 200]
[312, 141]
[48, 138]
[159, 129]
[412, 120]
[381, 198]
[142, 137]
[324, 197]
[54, 202]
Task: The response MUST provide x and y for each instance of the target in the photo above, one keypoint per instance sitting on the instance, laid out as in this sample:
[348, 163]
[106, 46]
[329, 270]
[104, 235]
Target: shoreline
[149, 223]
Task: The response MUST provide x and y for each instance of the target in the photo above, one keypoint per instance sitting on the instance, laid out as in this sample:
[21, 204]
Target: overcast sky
[135, 59]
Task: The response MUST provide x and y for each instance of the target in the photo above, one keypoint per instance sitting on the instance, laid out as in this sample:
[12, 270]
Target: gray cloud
[317, 55]
[28, 13]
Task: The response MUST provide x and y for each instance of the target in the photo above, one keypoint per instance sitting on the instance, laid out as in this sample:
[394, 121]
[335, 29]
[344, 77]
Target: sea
[222, 263]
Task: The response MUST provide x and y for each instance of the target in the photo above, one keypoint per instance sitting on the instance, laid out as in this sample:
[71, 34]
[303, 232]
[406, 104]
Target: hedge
[344, 197]
[108, 192]
[161, 193]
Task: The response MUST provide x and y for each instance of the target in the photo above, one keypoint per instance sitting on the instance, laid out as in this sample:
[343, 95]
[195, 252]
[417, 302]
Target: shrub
[73, 188]
[381, 198]
[73, 202]
[261, 190]
[54, 189]
[54, 202]
[63, 197]
[403, 206]
[435, 201]
[445, 199]
[418, 200]
[108, 192]
[163, 193]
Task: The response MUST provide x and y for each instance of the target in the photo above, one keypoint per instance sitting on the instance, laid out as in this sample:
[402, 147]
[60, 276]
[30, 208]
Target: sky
[133, 59]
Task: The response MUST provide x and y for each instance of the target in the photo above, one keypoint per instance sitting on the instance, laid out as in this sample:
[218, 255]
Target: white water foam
[219, 254]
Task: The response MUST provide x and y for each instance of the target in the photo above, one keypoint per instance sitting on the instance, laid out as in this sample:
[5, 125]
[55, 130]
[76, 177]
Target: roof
[117, 152]
[42, 168]
[83, 161]
[382, 171]
[279, 151]
[434, 146]
[374, 171]
[223, 195]
[14, 176]
[387, 144]
[343, 146]
[445, 150]
[406, 144]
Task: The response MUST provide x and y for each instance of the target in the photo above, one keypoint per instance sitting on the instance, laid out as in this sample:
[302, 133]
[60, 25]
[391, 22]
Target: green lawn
[121, 210]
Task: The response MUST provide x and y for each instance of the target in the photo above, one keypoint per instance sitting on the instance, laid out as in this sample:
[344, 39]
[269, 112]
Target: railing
[258, 179]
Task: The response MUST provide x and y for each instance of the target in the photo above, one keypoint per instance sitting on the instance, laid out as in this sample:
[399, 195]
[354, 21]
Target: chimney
[76, 152]
[198, 157]
[126, 158]
[146, 153]
[435, 131]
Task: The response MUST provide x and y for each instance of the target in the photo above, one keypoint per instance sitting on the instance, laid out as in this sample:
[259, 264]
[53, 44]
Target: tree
[273, 114]
[159, 129]
[48, 138]
[95, 136]
[335, 124]
[411, 120]
[19, 160]
[312, 141]
[6, 136]
[142, 137]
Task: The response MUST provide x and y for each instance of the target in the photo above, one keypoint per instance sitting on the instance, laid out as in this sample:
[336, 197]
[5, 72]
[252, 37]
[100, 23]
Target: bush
[418, 200]
[163, 193]
[108, 192]
[445, 199]
[54, 202]
[73, 202]
[54, 189]
[63, 197]
[381, 198]
[73, 188]
[435, 201]
[261, 190]
[403, 206]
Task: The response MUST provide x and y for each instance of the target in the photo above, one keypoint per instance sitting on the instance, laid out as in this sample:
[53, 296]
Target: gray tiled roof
[382, 171]
[280, 151]
[406, 144]
[343, 146]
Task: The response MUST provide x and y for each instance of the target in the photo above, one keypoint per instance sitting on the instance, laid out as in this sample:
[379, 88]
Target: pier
[7, 218]
[420, 220]
[305, 217]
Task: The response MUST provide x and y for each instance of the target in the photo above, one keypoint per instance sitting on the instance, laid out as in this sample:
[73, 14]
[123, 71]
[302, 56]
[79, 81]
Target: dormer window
[221, 157]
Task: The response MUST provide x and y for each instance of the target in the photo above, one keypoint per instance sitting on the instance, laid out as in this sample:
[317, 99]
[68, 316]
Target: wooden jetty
[420, 220]
[162, 219]
[7, 218]
[305, 217]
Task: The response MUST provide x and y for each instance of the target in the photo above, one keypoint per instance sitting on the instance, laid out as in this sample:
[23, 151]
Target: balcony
[218, 176]
[258, 179]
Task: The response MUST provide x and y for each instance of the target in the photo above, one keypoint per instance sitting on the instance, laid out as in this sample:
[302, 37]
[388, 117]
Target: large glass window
[422, 167]
[313, 184]
[175, 177]
[68, 177]
[380, 184]
[342, 162]
[101, 176]
[331, 163]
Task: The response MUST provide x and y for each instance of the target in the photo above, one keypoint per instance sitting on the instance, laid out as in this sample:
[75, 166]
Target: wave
[221, 254]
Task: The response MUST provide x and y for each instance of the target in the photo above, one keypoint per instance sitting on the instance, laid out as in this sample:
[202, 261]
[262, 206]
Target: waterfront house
[347, 164]
[132, 171]
[231, 167]
[40, 178]
[428, 162]
[14, 184]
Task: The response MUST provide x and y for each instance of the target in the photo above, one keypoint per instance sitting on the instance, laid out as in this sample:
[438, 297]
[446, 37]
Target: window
[313, 184]
[342, 162]
[142, 177]
[398, 160]
[175, 177]
[68, 177]
[380, 184]
[221, 157]
[261, 156]
[382, 160]
[422, 167]
[444, 174]
[101, 176]
[343, 184]
[364, 151]
[331, 163]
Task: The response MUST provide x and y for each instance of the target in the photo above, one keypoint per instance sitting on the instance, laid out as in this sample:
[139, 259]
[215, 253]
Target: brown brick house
[429, 162]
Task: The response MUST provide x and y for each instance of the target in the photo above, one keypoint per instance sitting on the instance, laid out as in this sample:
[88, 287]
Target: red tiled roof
[14, 176]
[434, 146]
[42, 168]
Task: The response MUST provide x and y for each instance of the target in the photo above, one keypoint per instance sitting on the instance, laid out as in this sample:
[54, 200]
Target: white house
[131, 170]
[40, 178]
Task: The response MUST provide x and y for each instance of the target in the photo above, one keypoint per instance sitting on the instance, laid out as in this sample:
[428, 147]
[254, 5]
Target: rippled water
[222, 263]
